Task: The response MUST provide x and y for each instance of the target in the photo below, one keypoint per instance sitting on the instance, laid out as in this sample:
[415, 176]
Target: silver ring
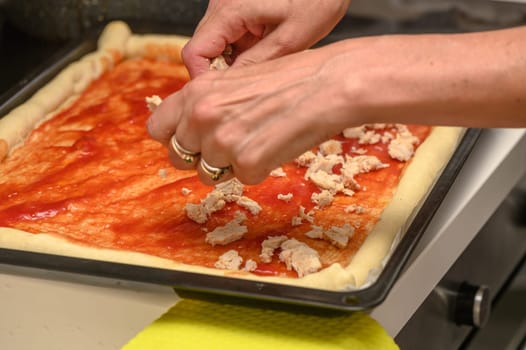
[213, 172]
[183, 153]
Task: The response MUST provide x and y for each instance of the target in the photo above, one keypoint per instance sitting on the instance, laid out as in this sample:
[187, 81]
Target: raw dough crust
[117, 43]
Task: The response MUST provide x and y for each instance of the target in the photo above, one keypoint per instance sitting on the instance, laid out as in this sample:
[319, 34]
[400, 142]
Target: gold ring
[213, 172]
[186, 155]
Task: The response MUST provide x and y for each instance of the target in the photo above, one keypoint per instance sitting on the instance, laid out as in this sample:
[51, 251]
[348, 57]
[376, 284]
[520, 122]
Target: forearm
[476, 79]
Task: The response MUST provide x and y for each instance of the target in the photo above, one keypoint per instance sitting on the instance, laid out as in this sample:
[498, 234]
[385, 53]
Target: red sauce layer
[92, 176]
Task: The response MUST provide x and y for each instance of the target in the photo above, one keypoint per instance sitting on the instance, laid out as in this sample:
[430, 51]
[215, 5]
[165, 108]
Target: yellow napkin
[194, 324]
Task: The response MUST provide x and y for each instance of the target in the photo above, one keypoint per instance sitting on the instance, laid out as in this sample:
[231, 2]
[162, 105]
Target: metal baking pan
[197, 285]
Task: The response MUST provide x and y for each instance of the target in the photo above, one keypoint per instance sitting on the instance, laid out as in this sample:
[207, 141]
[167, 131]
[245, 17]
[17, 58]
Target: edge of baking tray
[228, 289]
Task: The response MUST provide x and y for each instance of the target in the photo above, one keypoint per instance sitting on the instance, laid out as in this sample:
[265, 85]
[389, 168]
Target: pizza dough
[116, 44]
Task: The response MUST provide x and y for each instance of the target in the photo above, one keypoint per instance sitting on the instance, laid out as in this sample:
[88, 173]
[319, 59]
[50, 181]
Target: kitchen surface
[464, 286]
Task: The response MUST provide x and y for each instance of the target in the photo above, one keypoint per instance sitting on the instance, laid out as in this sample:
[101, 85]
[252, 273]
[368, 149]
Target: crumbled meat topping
[327, 181]
[229, 261]
[322, 199]
[269, 245]
[370, 137]
[354, 208]
[278, 172]
[296, 221]
[196, 212]
[320, 172]
[402, 146]
[152, 102]
[220, 63]
[353, 133]
[339, 236]
[225, 192]
[387, 137]
[285, 197]
[249, 204]
[305, 159]
[299, 257]
[316, 232]
[250, 265]
[231, 190]
[163, 173]
[359, 165]
[228, 233]
[360, 151]
[302, 215]
[331, 147]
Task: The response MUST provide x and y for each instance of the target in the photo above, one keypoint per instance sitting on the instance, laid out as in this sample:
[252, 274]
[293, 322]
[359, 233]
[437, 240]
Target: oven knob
[472, 305]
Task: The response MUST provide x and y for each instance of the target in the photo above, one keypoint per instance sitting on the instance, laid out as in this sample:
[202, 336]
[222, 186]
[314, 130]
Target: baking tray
[227, 289]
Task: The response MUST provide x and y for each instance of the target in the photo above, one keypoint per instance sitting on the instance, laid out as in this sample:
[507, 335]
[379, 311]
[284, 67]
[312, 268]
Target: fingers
[163, 122]
[209, 41]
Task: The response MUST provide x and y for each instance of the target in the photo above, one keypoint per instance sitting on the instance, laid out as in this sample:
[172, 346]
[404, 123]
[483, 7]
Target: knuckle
[205, 112]
[248, 168]
[225, 139]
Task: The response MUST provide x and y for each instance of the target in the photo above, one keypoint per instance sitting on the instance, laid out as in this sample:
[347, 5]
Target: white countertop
[52, 310]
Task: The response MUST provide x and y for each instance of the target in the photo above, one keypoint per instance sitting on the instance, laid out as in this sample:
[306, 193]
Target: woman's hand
[259, 30]
[254, 118]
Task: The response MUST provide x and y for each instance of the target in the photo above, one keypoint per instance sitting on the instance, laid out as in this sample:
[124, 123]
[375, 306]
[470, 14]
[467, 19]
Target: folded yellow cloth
[193, 324]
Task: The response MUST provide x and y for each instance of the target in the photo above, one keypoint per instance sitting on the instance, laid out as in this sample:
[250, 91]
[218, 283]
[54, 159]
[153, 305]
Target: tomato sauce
[93, 176]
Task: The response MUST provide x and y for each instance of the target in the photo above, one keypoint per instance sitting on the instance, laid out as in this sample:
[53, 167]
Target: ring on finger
[215, 173]
[183, 153]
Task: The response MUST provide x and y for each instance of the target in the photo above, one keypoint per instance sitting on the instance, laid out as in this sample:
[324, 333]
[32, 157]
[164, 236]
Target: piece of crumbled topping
[186, 191]
[326, 181]
[362, 164]
[285, 197]
[278, 172]
[231, 190]
[353, 133]
[305, 159]
[322, 199]
[296, 221]
[331, 147]
[354, 208]
[228, 233]
[359, 165]
[299, 257]
[348, 192]
[370, 137]
[324, 163]
[196, 212]
[152, 102]
[302, 215]
[269, 245]
[250, 265]
[306, 216]
[358, 150]
[316, 232]
[320, 172]
[387, 137]
[402, 146]
[249, 204]
[339, 236]
[220, 62]
[163, 173]
[215, 200]
[229, 261]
